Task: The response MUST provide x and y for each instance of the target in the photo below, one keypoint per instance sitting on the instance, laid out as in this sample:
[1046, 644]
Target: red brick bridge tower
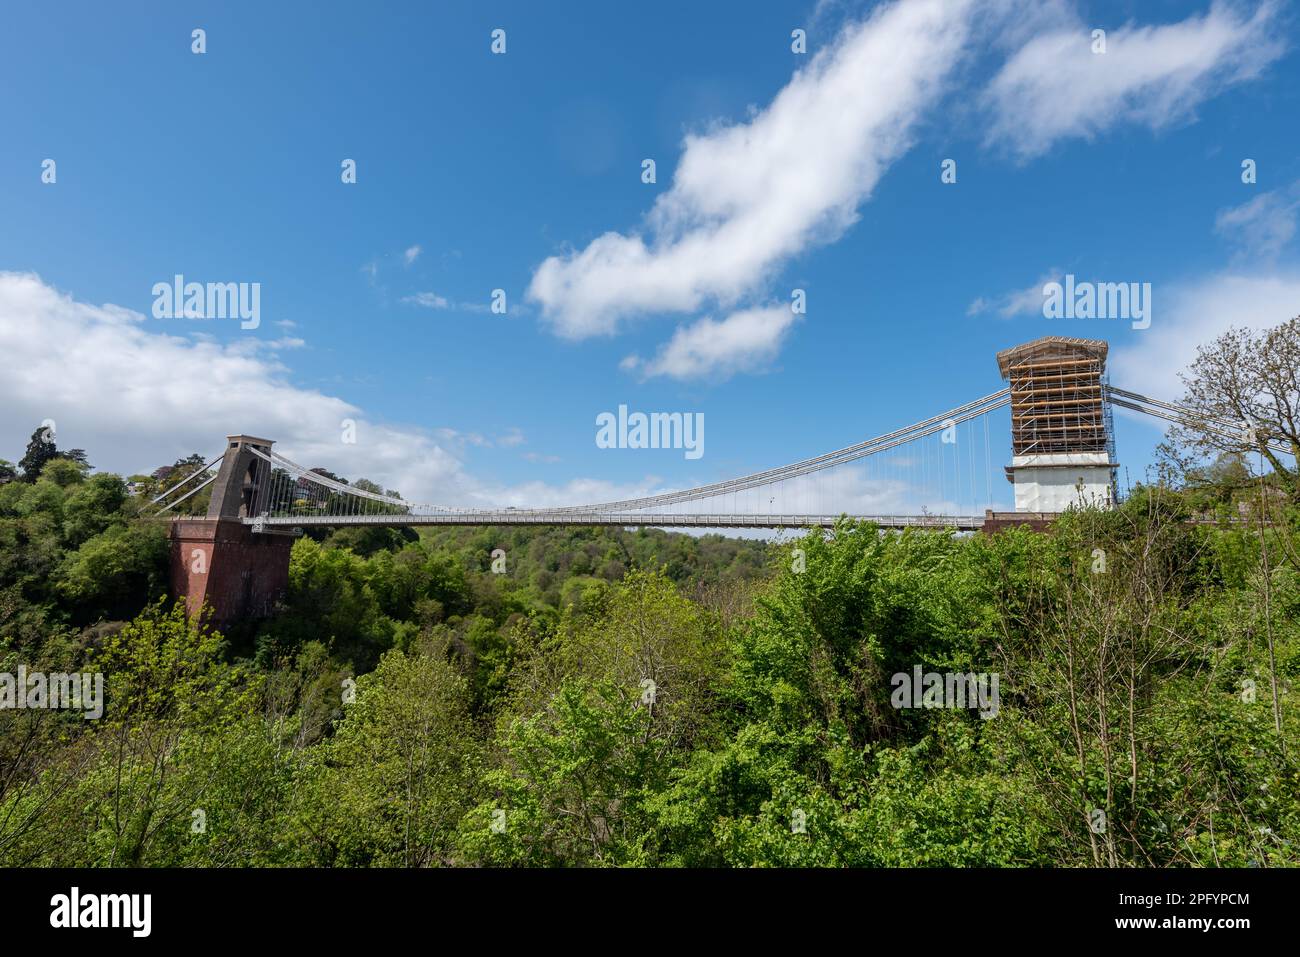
[219, 561]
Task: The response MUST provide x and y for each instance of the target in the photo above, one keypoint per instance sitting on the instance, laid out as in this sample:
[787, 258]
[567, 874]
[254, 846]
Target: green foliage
[120, 795]
[396, 778]
[166, 665]
[107, 574]
[615, 698]
[572, 783]
[73, 552]
[641, 634]
[63, 472]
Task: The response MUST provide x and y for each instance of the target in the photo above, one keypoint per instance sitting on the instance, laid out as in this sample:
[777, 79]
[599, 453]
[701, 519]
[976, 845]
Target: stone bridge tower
[221, 562]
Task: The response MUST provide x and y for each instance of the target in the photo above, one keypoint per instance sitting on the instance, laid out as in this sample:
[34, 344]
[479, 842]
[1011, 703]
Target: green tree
[643, 633]
[165, 685]
[392, 784]
[110, 573]
[40, 450]
[571, 788]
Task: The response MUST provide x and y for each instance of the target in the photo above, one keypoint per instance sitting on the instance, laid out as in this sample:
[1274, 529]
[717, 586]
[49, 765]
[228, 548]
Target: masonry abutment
[221, 562]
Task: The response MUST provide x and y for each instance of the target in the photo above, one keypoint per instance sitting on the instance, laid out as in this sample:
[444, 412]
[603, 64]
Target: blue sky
[522, 172]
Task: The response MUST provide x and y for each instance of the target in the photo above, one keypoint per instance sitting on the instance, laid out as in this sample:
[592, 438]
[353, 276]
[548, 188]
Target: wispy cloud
[1261, 228]
[747, 197]
[1017, 302]
[286, 342]
[512, 438]
[411, 255]
[742, 342]
[1198, 310]
[431, 300]
[456, 437]
[1055, 87]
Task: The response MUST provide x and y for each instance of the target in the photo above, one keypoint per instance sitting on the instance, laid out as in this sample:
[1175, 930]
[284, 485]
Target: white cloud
[513, 437]
[1195, 313]
[411, 255]
[430, 300]
[1010, 24]
[1262, 227]
[747, 197]
[1055, 87]
[137, 393]
[741, 342]
[249, 345]
[462, 439]
[540, 458]
[1017, 302]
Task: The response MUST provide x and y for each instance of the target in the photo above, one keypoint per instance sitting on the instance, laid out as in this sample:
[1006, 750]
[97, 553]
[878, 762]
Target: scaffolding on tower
[1061, 438]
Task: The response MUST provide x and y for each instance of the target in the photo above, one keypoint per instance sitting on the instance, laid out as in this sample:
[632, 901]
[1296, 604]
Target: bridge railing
[624, 519]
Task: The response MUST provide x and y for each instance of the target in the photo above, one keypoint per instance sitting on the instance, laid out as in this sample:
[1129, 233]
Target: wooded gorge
[652, 699]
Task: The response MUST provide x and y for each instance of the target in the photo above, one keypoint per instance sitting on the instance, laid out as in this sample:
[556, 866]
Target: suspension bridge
[936, 473]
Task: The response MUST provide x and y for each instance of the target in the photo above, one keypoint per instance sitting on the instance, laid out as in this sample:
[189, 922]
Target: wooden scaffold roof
[1048, 348]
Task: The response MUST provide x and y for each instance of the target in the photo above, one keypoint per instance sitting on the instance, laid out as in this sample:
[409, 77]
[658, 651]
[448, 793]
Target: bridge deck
[622, 519]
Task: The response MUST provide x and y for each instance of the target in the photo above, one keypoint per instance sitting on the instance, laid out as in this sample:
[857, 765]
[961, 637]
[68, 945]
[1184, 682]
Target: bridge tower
[1061, 444]
[219, 560]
